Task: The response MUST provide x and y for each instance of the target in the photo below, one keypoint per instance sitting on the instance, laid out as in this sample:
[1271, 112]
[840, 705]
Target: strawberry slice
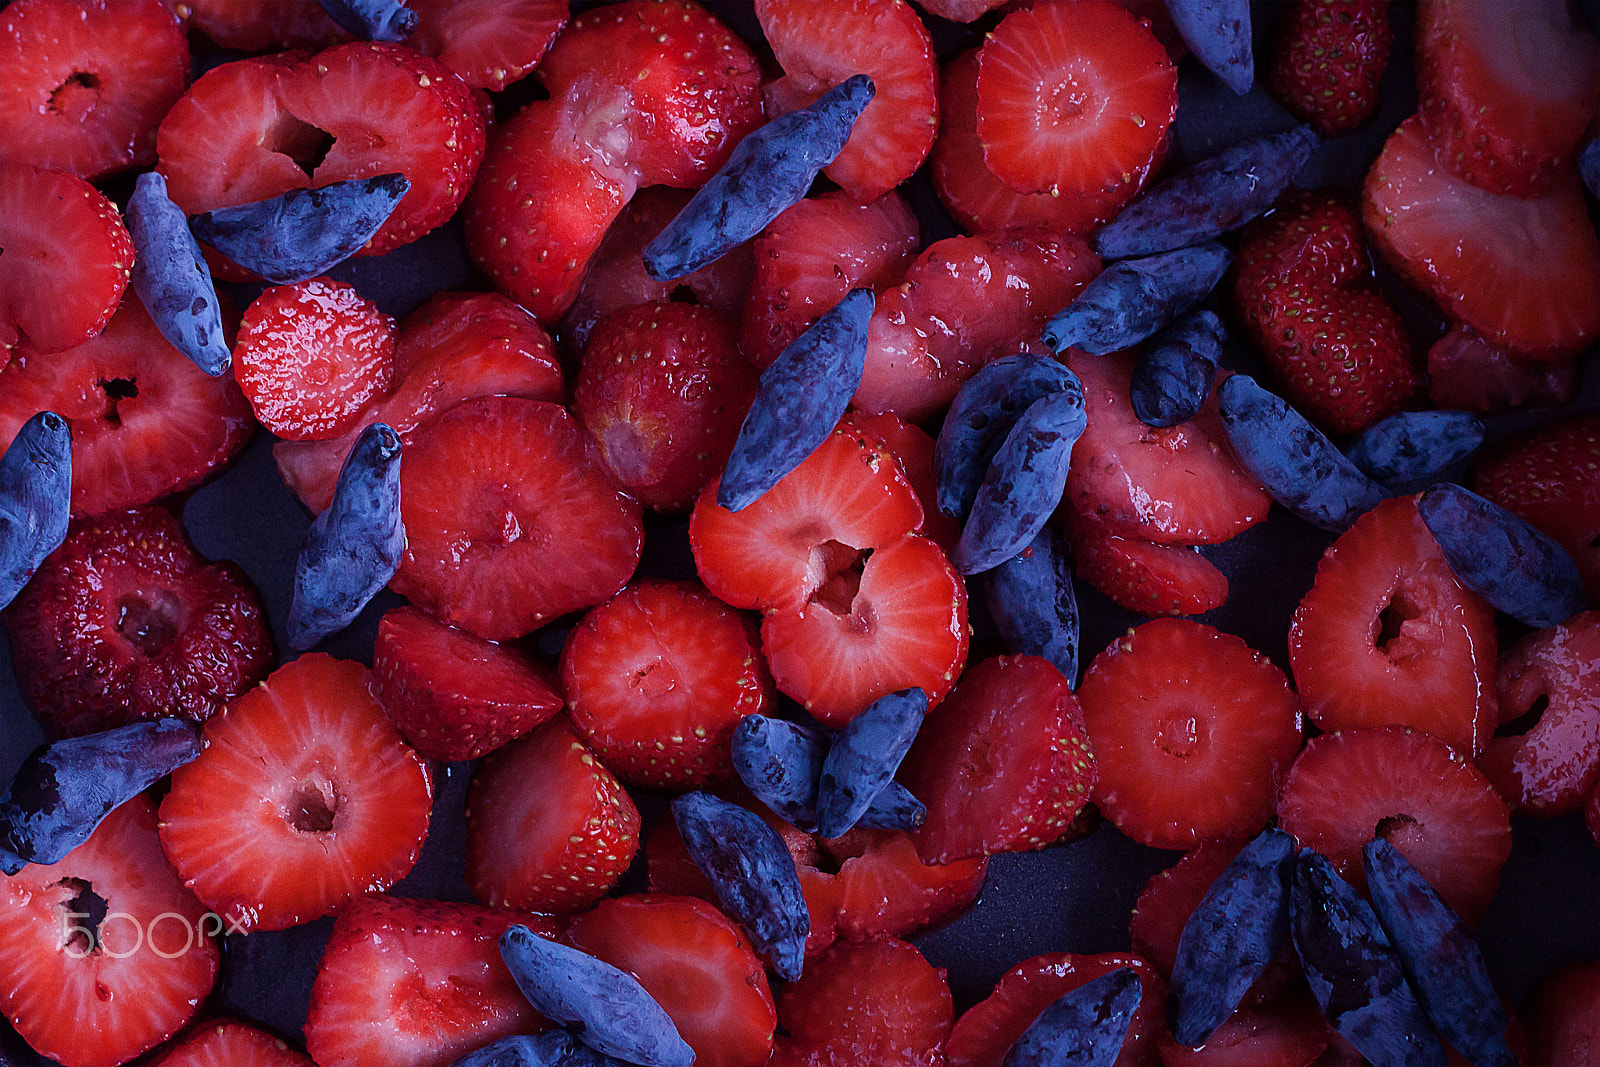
[416, 983]
[820, 43]
[489, 43]
[1411, 789]
[1564, 1015]
[696, 964]
[225, 1043]
[548, 827]
[145, 421]
[67, 259]
[88, 991]
[1523, 273]
[1074, 99]
[1467, 372]
[1140, 575]
[265, 25]
[1290, 1033]
[884, 887]
[305, 797]
[1387, 636]
[913, 450]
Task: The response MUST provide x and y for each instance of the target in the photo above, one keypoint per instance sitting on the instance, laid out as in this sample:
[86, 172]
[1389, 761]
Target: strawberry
[1523, 273]
[696, 964]
[1506, 92]
[489, 43]
[1193, 731]
[415, 983]
[1411, 789]
[305, 797]
[820, 43]
[814, 253]
[125, 621]
[913, 450]
[68, 262]
[494, 494]
[884, 887]
[456, 347]
[548, 827]
[874, 1002]
[1591, 814]
[310, 356]
[455, 696]
[1467, 372]
[1173, 486]
[657, 678]
[1074, 99]
[1140, 575]
[1564, 1017]
[960, 10]
[145, 421]
[1388, 636]
[83, 83]
[1548, 477]
[224, 1043]
[1327, 61]
[664, 391]
[1289, 1033]
[1304, 290]
[1004, 765]
[264, 25]
[86, 990]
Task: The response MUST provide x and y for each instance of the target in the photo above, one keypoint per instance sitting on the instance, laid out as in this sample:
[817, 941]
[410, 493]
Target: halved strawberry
[1140, 575]
[225, 1043]
[495, 493]
[1388, 636]
[83, 83]
[305, 797]
[1074, 98]
[1564, 1016]
[696, 964]
[913, 450]
[66, 263]
[488, 43]
[145, 421]
[884, 887]
[1411, 789]
[548, 827]
[105, 954]
[264, 25]
[1468, 372]
[1004, 765]
[416, 983]
[1287, 1033]
[1524, 273]
[820, 43]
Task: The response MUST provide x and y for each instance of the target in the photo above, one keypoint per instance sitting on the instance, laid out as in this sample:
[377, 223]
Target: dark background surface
[1075, 897]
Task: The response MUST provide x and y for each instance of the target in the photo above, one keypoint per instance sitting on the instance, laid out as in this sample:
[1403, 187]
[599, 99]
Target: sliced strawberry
[1564, 1017]
[959, 10]
[884, 887]
[1591, 814]
[1174, 486]
[66, 263]
[455, 696]
[548, 827]
[1004, 765]
[105, 954]
[264, 25]
[1524, 273]
[145, 421]
[814, 253]
[83, 83]
[1074, 99]
[1285, 1034]
[489, 43]
[225, 1043]
[415, 983]
[1327, 61]
[696, 964]
[1411, 789]
[1140, 575]
[495, 493]
[1467, 372]
[913, 450]
[1387, 636]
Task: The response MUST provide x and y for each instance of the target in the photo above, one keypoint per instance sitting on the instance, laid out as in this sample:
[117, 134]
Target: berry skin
[1327, 60]
[126, 622]
[489, 43]
[224, 1043]
[1467, 372]
[310, 356]
[1143, 576]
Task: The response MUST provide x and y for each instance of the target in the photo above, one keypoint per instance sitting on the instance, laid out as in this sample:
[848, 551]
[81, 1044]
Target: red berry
[1288, 1033]
[1467, 372]
[1327, 61]
[913, 450]
[884, 887]
[489, 43]
[264, 25]
[1564, 1018]
[1140, 575]
[224, 1043]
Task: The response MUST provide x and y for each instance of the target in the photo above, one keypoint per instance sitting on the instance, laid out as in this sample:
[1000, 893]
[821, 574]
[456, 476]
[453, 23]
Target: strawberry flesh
[1140, 575]
[226, 1043]
[1467, 372]
[489, 43]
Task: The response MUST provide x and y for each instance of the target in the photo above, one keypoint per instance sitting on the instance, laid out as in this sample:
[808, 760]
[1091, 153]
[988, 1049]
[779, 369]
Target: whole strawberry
[1327, 60]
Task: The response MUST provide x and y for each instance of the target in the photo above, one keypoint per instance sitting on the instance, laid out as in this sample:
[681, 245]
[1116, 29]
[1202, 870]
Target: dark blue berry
[894, 808]
[781, 763]
[1218, 33]
[373, 20]
[1033, 604]
[171, 277]
[864, 758]
[1131, 300]
[553, 1048]
[1081, 1028]
[35, 499]
[1174, 372]
[770, 171]
[1409, 451]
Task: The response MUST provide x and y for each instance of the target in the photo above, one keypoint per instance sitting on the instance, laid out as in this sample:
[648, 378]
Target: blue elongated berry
[753, 874]
[770, 171]
[1501, 558]
[864, 758]
[373, 20]
[553, 1048]
[63, 790]
[1218, 33]
[1354, 972]
[1589, 165]
[894, 808]
[1081, 1028]
[1033, 604]
[781, 763]
[171, 277]
[1131, 300]
[1024, 482]
[1230, 937]
[611, 1011]
[1210, 198]
[1174, 372]
[1407, 452]
[354, 547]
[35, 499]
[1439, 955]
[1293, 461]
[801, 398]
[985, 408]
[305, 232]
